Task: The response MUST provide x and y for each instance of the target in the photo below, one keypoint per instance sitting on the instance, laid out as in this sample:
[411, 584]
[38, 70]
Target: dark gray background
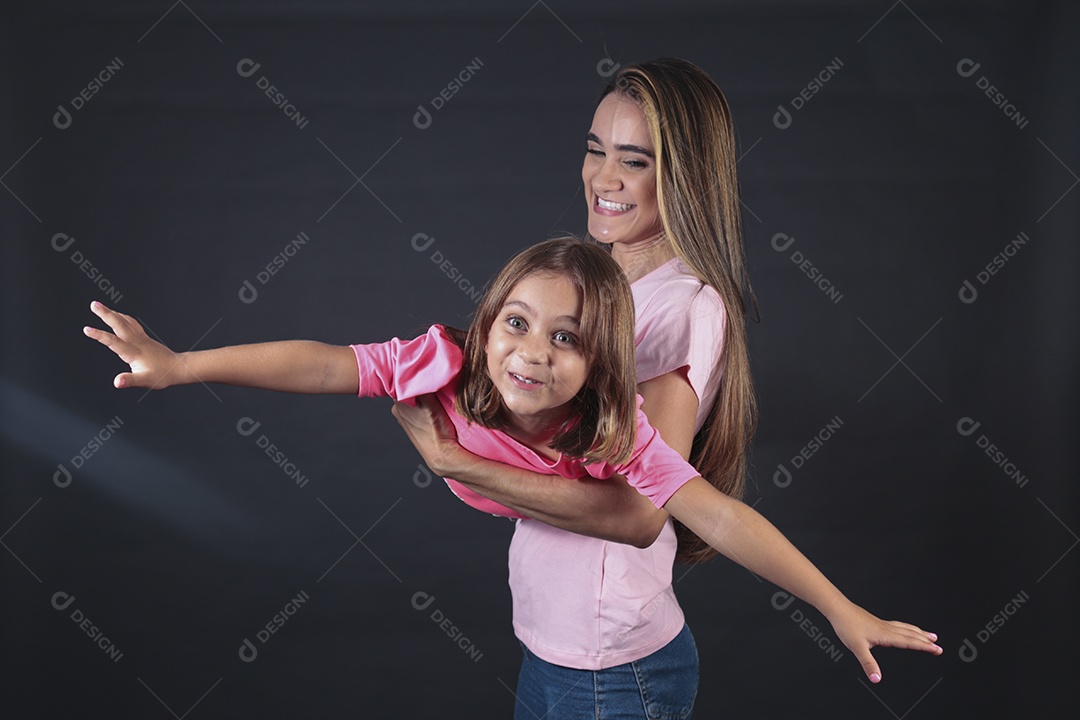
[179, 180]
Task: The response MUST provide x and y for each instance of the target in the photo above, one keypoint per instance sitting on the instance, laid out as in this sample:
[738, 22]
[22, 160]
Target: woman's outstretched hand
[152, 364]
[860, 631]
[431, 433]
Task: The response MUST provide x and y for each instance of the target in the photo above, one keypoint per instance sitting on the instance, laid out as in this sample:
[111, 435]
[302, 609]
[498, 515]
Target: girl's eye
[515, 322]
[565, 337]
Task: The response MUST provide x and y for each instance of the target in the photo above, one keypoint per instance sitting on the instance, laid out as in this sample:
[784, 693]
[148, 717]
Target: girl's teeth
[608, 205]
[525, 379]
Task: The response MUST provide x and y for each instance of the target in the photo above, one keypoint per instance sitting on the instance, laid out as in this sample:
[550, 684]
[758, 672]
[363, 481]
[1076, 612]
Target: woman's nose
[607, 177]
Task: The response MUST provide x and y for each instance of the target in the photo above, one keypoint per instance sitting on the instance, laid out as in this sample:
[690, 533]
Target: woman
[600, 626]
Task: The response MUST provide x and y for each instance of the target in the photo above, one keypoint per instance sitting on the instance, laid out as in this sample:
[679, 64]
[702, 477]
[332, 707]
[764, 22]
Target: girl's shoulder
[453, 334]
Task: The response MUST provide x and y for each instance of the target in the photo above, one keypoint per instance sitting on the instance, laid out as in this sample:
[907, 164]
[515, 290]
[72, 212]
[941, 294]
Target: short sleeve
[405, 369]
[681, 325]
[654, 469]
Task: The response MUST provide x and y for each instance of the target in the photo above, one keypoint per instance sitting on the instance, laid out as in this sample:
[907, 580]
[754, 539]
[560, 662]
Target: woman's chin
[601, 232]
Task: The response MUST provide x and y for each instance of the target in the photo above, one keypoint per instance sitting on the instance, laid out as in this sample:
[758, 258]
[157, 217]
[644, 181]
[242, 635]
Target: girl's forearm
[742, 534]
[299, 366]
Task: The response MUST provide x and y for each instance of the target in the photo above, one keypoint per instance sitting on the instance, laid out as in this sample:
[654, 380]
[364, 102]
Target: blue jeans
[661, 686]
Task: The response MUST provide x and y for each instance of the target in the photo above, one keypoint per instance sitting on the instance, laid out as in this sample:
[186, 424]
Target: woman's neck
[639, 258]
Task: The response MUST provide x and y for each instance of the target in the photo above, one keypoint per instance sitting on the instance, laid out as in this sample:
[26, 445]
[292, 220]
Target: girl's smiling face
[619, 174]
[534, 353]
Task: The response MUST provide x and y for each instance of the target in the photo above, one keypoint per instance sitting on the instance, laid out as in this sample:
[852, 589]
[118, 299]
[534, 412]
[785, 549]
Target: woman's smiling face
[619, 174]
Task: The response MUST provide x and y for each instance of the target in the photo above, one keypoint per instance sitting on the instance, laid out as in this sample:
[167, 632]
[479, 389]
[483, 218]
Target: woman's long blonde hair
[698, 195]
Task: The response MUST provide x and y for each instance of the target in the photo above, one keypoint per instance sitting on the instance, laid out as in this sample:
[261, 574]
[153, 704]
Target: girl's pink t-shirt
[406, 369]
[578, 601]
[590, 604]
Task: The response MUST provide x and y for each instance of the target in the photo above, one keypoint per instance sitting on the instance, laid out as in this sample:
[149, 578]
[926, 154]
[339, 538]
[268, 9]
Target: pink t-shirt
[590, 604]
[405, 369]
[680, 324]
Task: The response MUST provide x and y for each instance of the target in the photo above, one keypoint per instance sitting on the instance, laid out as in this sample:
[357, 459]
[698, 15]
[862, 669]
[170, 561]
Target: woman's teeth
[608, 205]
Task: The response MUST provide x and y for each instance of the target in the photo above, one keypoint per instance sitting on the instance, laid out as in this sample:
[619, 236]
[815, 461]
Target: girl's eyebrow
[624, 148]
[525, 306]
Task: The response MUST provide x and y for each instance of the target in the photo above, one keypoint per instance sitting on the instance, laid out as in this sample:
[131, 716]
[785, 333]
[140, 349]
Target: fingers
[869, 665]
[122, 349]
[896, 635]
[890, 634]
[909, 637]
[129, 343]
[105, 338]
[403, 413]
[125, 351]
[414, 411]
[121, 324]
[916, 628]
[104, 313]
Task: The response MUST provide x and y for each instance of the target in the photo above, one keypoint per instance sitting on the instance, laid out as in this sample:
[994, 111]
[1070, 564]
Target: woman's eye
[636, 164]
[594, 152]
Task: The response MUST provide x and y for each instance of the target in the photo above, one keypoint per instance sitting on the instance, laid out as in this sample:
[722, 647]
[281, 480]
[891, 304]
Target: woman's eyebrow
[624, 148]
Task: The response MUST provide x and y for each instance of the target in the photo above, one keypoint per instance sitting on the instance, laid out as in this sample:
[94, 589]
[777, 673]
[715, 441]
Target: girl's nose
[533, 350]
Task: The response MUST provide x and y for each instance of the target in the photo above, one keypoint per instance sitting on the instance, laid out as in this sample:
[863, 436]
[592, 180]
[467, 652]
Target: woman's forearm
[607, 509]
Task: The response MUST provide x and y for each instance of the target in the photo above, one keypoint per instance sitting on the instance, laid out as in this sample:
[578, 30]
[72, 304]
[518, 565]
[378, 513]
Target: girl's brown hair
[698, 194]
[602, 421]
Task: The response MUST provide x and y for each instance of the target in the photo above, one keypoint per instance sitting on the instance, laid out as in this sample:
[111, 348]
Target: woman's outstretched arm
[607, 509]
[299, 366]
[740, 533]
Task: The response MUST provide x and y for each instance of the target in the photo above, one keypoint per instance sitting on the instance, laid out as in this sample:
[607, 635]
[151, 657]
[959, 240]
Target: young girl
[543, 380]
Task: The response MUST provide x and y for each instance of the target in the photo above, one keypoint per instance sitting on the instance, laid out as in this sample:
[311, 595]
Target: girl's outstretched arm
[740, 533]
[299, 366]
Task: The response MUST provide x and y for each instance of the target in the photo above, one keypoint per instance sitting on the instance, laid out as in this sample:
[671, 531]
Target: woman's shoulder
[673, 287]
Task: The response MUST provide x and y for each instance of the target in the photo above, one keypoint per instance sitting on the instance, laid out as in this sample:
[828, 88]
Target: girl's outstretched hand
[152, 364]
[860, 631]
